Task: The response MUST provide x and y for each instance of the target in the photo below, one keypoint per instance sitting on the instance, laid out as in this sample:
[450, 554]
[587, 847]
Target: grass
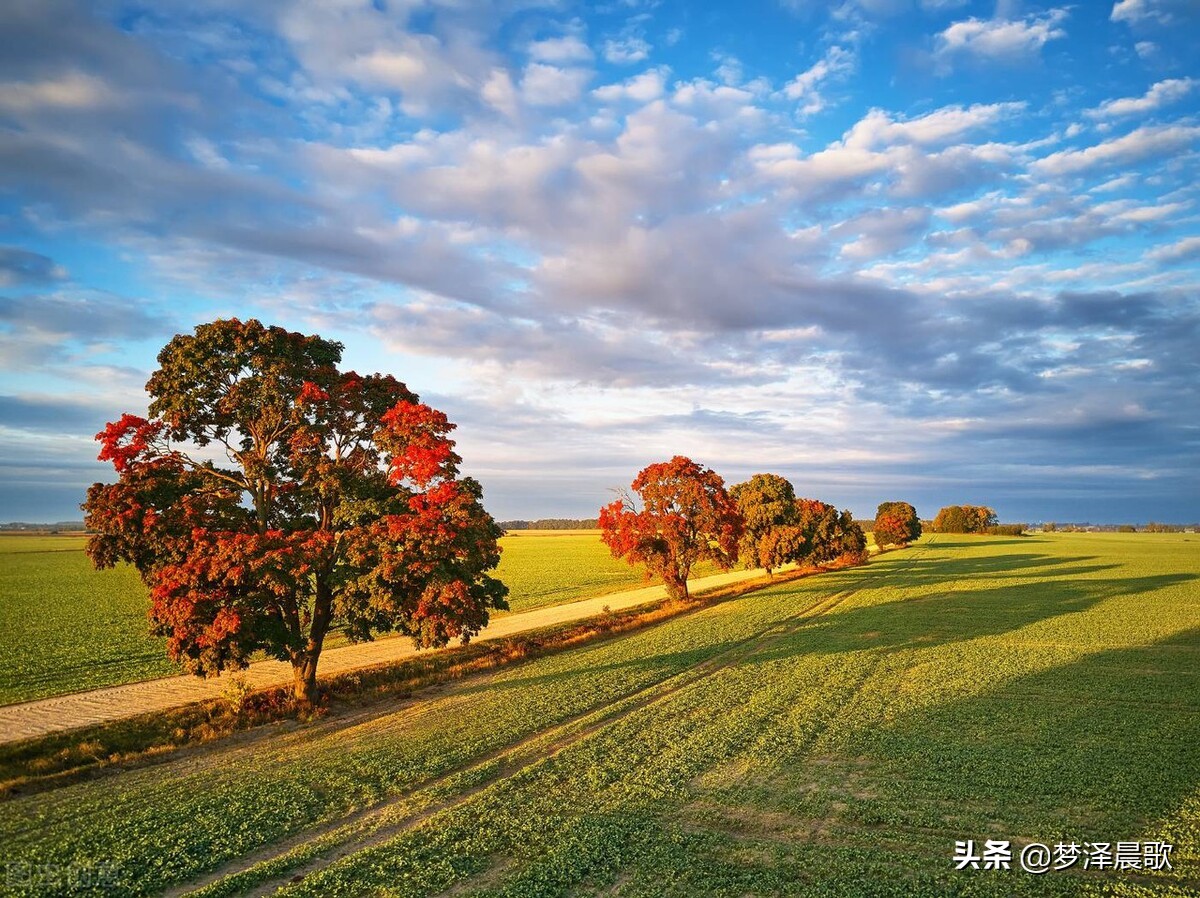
[66, 627]
[79, 628]
[548, 567]
[830, 736]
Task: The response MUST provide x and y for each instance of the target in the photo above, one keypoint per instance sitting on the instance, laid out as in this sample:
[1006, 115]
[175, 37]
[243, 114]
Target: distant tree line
[552, 524]
[1151, 527]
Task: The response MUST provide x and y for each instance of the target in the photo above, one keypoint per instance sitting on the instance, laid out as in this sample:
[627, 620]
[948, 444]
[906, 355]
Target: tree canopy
[896, 523]
[781, 529]
[965, 519]
[682, 515]
[270, 495]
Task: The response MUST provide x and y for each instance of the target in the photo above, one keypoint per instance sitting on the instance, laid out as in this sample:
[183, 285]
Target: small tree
[896, 523]
[331, 497]
[833, 536]
[685, 516]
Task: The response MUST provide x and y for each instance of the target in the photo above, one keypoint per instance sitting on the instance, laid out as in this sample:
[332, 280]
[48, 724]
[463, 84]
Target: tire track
[315, 849]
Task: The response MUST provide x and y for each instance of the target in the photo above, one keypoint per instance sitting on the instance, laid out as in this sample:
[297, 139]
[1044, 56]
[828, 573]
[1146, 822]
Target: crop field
[547, 567]
[830, 736]
[66, 627]
[81, 629]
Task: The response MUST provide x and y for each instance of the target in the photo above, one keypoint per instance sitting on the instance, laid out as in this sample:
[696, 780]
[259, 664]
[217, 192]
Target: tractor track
[366, 828]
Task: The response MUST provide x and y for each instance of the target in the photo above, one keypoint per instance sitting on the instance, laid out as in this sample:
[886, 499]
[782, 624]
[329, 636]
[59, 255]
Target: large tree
[270, 496]
[896, 523]
[682, 515]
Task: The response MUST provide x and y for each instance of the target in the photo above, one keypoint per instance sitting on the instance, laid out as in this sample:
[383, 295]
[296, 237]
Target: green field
[546, 567]
[80, 629]
[66, 627]
[831, 736]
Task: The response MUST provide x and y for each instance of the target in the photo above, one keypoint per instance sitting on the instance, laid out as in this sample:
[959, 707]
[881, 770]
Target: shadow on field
[1102, 749]
[918, 570]
[925, 621]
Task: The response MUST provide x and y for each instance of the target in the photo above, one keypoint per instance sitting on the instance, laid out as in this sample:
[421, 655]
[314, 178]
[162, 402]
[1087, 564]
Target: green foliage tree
[682, 515]
[780, 529]
[270, 496]
[965, 519]
[771, 535]
[896, 523]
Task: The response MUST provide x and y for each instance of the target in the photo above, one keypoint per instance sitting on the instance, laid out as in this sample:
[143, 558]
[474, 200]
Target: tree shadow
[1102, 749]
[942, 570]
[930, 620]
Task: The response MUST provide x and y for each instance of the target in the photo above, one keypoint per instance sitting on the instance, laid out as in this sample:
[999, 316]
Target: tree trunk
[304, 673]
[677, 588]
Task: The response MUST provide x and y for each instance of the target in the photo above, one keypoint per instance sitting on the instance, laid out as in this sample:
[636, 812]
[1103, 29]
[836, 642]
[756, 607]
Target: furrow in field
[315, 850]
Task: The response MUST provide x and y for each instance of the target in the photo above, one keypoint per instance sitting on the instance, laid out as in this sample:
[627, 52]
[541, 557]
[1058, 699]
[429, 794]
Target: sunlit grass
[1034, 689]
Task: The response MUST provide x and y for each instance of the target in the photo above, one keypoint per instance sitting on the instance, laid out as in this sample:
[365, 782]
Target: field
[831, 736]
[76, 628]
[81, 629]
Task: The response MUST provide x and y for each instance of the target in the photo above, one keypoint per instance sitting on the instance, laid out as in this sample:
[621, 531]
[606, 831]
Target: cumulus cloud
[1159, 95]
[879, 129]
[547, 85]
[608, 253]
[1183, 250]
[1145, 142]
[640, 88]
[1137, 12]
[626, 50]
[568, 48]
[1009, 41]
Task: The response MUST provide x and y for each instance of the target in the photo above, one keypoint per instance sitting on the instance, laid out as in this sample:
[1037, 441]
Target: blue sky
[930, 250]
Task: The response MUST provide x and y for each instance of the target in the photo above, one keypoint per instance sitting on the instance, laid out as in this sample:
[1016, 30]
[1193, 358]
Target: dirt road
[67, 712]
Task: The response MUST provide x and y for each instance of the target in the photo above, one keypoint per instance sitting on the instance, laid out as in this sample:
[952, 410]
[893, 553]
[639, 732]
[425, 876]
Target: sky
[936, 251]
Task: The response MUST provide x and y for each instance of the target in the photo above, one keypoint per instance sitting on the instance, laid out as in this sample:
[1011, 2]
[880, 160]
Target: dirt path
[67, 712]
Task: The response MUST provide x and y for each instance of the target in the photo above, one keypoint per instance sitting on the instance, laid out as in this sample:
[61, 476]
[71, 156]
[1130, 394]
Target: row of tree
[270, 496]
[682, 515]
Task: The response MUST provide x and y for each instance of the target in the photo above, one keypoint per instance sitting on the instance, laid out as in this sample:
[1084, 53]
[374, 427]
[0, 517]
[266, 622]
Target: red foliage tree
[685, 517]
[331, 497]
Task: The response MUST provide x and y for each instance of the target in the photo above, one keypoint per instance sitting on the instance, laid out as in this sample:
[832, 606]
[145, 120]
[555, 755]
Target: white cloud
[561, 49]
[1001, 40]
[1118, 183]
[1136, 12]
[1159, 95]
[626, 51]
[1133, 147]
[547, 85]
[878, 129]
[72, 90]
[640, 88]
[805, 87]
[1179, 251]
[1146, 49]
[500, 93]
